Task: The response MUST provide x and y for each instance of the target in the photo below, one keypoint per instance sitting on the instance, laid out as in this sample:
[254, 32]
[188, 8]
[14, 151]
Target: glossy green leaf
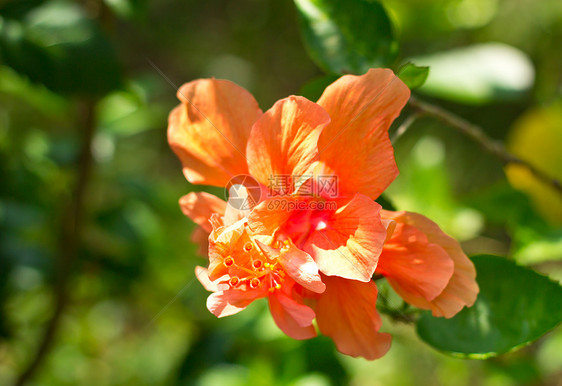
[478, 74]
[347, 37]
[57, 45]
[413, 76]
[515, 306]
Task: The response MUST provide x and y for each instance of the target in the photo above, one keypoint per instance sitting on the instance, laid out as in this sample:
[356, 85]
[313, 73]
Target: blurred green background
[75, 72]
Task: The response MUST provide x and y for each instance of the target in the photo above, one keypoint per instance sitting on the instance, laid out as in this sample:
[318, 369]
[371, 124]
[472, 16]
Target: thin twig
[404, 127]
[69, 239]
[479, 136]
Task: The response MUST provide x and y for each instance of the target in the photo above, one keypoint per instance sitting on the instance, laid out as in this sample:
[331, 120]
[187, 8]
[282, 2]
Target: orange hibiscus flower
[244, 267]
[319, 254]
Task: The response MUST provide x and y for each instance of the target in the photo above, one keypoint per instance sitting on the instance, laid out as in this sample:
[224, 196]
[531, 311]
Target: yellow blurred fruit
[537, 138]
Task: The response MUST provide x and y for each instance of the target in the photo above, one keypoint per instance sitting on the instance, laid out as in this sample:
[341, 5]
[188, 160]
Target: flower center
[253, 269]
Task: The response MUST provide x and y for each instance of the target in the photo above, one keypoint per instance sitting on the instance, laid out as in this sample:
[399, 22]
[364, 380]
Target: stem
[479, 136]
[404, 126]
[70, 234]
[404, 314]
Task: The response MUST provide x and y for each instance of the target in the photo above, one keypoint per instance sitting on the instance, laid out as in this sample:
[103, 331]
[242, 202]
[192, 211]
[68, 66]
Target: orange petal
[462, 289]
[414, 266]
[218, 304]
[355, 145]
[283, 141]
[210, 129]
[199, 206]
[227, 301]
[301, 267]
[346, 312]
[348, 243]
[292, 318]
[223, 242]
[268, 216]
[202, 274]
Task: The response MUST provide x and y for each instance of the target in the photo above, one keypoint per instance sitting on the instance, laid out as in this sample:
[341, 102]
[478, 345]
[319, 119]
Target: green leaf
[126, 112]
[515, 306]
[59, 46]
[347, 37]
[23, 92]
[413, 76]
[478, 74]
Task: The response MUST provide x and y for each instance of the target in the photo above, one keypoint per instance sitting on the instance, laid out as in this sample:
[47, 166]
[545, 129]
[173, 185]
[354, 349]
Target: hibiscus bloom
[426, 267]
[245, 267]
[219, 132]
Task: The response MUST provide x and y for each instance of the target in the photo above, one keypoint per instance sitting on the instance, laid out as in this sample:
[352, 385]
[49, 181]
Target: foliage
[509, 312]
[347, 37]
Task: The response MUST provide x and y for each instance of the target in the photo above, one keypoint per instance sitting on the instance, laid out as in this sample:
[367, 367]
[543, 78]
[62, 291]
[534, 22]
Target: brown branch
[404, 127]
[479, 136]
[70, 233]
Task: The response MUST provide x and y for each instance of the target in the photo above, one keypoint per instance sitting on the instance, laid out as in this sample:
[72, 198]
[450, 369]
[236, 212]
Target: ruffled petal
[414, 266]
[226, 301]
[301, 267]
[218, 304]
[200, 206]
[268, 216]
[348, 242]
[347, 313]
[210, 129]
[462, 289]
[292, 318]
[223, 242]
[283, 141]
[202, 274]
[355, 145]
